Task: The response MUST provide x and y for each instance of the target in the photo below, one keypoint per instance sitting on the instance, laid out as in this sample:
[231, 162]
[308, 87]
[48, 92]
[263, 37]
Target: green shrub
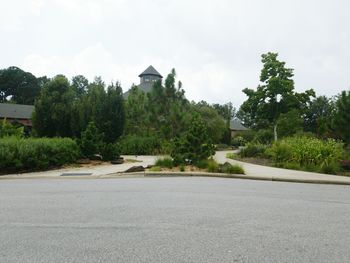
[139, 145]
[109, 151]
[155, 169]
[182, 168]
[231, 155]
[194, 145]
[202, 164]
[247, 136]
[221, 146]
[213, 166]
[91, 140]
[264, 136]
[253, 150]
[238, 141]
[230, 169]
[165, 162]
[18, 154]
[7, 129]
[309, 153]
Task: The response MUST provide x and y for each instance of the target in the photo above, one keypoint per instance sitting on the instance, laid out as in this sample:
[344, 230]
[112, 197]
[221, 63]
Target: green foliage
[139, 145]
[194, 145]
[17, 154]
[318, 116]
[155, 169]
[289, 123]
[52, 115]
[264, 136]
[91, 140]
[7, 129]
[341, 121]
[165, 162]
[238, 141]
[137, 121]
[109, 151]
[23, 87]
[231, 155]
[309, 153]
[253, 150]
[275, 95]
[182, 168]
[212, 166]
[216, 125]
[65, 109]
[228, 168]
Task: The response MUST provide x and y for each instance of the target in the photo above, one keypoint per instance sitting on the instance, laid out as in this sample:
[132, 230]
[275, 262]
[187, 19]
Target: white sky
[215, 46]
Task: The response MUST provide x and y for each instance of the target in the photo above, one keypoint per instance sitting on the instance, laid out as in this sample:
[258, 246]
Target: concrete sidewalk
[90, 171]
[260, 172]
[252, 171]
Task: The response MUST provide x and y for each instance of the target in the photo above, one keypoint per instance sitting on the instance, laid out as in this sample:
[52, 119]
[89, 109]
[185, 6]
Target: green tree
[216, 125]
[193, 146]
[289, 123]
[18, 86]
[275, 95]
[52, 114]
[91, 140]
[341, 122]
[318, 116]
[137, 119]
[80, 84]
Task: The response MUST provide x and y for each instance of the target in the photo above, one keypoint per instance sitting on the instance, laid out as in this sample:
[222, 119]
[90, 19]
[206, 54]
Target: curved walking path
[260, 172]
[252, 171]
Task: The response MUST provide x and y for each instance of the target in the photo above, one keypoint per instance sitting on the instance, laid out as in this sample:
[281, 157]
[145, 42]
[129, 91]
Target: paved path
[97, 170]
[271, 173]
[173, 220]
[253, 171]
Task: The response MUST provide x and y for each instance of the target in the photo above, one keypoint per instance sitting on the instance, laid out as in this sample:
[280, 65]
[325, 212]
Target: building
[236, 126]
[147, 79]
[17, 113]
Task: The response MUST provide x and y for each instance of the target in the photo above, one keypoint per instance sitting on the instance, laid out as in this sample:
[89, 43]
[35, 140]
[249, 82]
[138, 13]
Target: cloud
[215, 46]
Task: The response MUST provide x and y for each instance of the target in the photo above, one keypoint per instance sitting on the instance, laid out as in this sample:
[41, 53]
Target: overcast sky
[215, 46]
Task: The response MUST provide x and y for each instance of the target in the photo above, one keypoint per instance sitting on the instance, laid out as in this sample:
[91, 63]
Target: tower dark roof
[150, 71]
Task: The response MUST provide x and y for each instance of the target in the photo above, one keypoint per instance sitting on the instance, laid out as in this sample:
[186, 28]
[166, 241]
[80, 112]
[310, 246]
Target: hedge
[18, 154]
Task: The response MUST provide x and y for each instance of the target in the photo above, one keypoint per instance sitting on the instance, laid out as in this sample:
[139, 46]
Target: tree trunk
[275, 131]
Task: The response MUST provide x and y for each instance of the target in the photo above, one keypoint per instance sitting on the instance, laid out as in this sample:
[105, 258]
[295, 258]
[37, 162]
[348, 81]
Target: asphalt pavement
[173, 220]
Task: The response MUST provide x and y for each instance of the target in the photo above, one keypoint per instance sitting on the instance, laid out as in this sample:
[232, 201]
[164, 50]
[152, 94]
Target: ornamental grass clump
[309, 153]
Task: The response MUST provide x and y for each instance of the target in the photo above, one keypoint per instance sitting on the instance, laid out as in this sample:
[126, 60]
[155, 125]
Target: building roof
[236, 125]
[16, 111]
[150, 71]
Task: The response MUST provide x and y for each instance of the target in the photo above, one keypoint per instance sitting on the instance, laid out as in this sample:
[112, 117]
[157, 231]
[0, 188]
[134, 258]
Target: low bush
[155, 169]
[253, 150]
[230, 169]
[263, 136]
[231, 155]
[109, 151]
[18, 154]
[7, 129]
[165, 162]
[238, 141]
[138, 145]
[213, 166]
[221, 146]
[308, 153]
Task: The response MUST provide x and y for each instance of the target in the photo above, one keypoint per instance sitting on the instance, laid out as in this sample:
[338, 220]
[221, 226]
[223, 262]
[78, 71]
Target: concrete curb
[184, 174]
